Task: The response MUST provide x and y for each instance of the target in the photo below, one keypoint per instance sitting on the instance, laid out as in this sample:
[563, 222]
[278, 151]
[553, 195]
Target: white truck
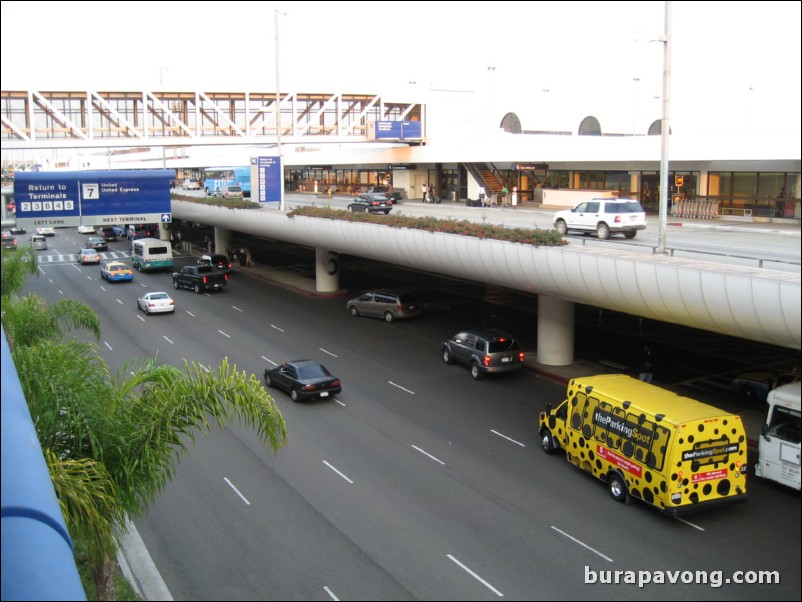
[778, 445]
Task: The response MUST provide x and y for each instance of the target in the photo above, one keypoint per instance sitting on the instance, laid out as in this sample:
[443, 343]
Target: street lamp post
[664, 132]
[278, 121]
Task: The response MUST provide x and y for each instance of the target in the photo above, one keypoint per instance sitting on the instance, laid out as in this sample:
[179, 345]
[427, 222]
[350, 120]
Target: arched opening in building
[590, 127]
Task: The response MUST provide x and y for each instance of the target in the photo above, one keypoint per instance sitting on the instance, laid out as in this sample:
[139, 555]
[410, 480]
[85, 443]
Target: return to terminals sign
[93, 198]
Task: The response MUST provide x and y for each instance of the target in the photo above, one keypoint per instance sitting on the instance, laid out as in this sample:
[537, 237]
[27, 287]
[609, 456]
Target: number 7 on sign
[91, 192]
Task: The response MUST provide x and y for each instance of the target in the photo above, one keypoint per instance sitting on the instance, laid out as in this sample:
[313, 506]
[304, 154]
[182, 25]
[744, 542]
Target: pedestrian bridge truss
[58, 119]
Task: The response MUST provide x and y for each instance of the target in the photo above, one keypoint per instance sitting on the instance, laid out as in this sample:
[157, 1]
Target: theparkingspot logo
[712, 578]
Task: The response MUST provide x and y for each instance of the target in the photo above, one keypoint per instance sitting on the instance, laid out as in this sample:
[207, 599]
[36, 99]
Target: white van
[38, 242]
[779, 442]
[148, 254]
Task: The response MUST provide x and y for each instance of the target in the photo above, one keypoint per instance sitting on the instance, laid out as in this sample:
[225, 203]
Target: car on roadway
[191, 184]
[38, 242]
[755, 386]
[17, 230]
[82, 229]
[86, 256]
[107, 233]
[97, 243]
[602, 216]
[389, 305]
[45, 231]
[9, 242]
[157, 302]
[232, 192]
[303, 379]
[218, 260]
[484, 351]
[116, 271]
[371, 203]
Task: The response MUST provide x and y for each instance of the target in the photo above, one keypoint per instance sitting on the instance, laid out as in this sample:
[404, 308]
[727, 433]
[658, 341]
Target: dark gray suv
[484, 351]
[389, 305]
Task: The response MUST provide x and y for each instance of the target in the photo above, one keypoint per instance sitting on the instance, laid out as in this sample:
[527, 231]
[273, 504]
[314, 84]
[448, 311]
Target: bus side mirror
[764, 430]
[548, 408]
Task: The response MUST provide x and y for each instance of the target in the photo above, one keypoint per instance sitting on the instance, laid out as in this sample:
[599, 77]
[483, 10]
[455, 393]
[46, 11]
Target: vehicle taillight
[617, 219]
[226, 277]
[486, 360]
[204, 280]
[521, 356]
[336, 383]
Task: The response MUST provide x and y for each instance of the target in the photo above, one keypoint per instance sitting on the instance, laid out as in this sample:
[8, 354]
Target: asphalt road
[415, 483]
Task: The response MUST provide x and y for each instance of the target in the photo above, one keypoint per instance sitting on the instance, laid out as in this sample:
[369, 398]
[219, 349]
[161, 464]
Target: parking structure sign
[93, 198]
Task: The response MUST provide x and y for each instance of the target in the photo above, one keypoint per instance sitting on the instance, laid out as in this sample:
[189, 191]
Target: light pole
[490, 71]
[278, 121]
[664, 131]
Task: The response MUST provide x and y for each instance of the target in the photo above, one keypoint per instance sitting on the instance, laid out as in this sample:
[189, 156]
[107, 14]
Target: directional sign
[268, 177]
[93, 198]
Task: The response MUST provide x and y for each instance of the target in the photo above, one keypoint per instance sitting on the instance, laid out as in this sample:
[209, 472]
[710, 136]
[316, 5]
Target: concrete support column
[555, 331]
[164, 233]
[222, 237]
[327, 271]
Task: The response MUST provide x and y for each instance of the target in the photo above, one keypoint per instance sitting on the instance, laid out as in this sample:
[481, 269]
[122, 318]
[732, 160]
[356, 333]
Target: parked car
[191, 184]
[372, 203]
[38, 242]
[604, 217]
[218, 260]
[86, 229]
[9, 242]
[156, 303]
[755, 386]
[484, 351]
[232, 192]
[386, 304]
[88, 256]
[45, 231]
[17, 230]
[116, 271]
[303, 379]
[97, 243]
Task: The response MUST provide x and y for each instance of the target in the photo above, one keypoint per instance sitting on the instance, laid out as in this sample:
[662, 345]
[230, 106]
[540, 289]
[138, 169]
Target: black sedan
[17, 230]
[372, 203]
[303, 379]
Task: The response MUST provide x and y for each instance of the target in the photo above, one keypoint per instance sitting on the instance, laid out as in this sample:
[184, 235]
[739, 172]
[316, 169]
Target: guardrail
[671, 251]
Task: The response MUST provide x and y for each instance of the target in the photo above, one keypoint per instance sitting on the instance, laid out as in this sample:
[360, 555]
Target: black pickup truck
[200, 278]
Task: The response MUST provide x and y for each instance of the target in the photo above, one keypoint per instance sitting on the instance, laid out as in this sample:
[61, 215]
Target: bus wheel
[618, 489]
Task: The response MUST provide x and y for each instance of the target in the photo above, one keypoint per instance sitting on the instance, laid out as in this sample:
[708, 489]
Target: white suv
[604, 217]
[191, 184]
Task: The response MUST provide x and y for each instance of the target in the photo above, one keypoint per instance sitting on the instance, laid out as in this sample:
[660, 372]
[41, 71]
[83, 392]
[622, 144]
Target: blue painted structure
[37, 554]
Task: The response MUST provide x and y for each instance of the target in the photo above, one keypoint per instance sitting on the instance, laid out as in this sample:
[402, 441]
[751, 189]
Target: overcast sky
[733, 65]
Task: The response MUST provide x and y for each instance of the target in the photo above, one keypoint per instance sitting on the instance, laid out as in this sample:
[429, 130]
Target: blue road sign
[93, 198]
[269, 178]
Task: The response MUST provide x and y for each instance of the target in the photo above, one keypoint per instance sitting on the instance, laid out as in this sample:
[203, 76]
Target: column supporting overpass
[750, 303]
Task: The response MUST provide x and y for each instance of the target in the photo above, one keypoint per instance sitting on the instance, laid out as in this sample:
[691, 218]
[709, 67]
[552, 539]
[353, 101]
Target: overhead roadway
[755, 304]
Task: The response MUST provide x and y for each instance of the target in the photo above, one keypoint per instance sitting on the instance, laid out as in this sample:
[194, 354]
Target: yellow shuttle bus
[675, 453]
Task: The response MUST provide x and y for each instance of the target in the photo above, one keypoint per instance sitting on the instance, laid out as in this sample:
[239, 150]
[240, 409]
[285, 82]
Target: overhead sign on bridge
[93, 198]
